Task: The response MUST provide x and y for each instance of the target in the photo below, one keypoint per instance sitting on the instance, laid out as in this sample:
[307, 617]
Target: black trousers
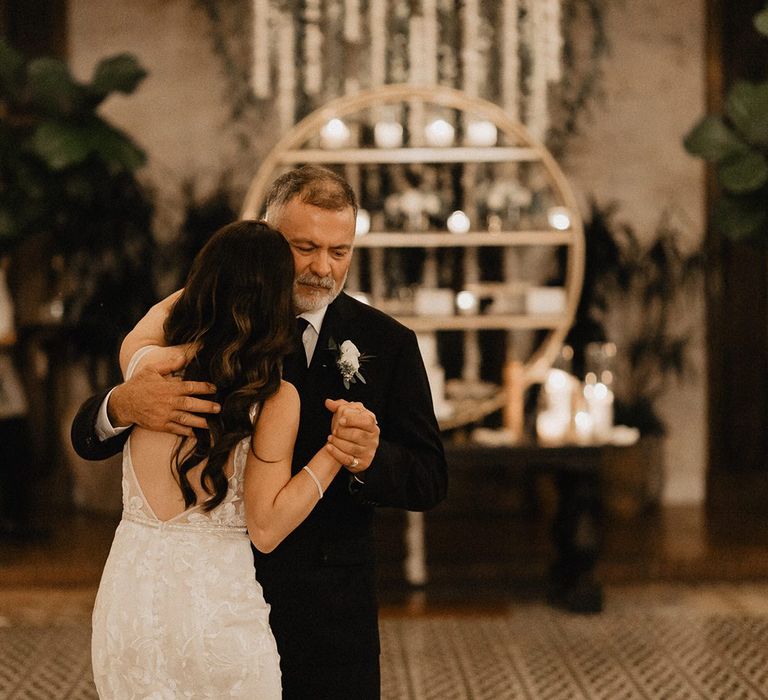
[319, 682]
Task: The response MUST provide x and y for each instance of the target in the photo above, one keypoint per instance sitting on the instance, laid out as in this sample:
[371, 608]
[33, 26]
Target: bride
[179, 613]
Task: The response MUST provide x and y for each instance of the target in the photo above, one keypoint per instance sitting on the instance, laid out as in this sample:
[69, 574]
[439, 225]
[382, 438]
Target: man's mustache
[315, 281]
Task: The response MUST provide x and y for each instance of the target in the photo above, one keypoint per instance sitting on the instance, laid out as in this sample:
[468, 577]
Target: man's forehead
[299, 221]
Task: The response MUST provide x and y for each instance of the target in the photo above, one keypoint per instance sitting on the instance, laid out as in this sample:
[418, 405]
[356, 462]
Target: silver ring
[354, 463]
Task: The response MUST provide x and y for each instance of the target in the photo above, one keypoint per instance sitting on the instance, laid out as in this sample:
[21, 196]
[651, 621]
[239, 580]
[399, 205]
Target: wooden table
[577, 528]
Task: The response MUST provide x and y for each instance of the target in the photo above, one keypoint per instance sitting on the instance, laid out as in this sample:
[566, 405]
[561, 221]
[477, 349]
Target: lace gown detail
[179, 613]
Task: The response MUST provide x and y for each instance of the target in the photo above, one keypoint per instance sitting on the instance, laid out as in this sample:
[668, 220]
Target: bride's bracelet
[315, 479]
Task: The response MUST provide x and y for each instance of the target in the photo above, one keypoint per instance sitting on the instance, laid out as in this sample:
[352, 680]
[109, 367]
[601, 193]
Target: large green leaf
[121, 73]
[713, 140]
[741, 217]
[747, 107]
[61, 145]
[11, 69]
[761, 21]
[52, 87]
[743, 172]
[115, 148]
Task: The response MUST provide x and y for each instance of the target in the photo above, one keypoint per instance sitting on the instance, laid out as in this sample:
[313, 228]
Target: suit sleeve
[409, 470]
[83, 434]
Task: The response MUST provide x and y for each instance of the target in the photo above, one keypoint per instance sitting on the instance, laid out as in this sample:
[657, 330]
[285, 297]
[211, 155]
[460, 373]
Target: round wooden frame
[442, 97]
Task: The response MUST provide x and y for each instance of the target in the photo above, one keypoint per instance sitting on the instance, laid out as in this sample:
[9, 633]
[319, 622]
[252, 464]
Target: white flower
[348, 361]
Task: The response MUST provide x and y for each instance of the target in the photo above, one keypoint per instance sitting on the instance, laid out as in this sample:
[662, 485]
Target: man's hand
[355, 437]
[155, 400]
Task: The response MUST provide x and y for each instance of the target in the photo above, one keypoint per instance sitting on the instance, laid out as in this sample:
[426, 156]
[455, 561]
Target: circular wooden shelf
[516, 146]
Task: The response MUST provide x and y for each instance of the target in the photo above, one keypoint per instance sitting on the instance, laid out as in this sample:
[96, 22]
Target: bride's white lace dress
[179, 613]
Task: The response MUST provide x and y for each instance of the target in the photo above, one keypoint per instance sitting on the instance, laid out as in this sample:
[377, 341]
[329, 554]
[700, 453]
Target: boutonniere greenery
[348, 360]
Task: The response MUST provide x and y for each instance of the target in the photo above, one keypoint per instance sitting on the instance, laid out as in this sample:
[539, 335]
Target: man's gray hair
[313, 184]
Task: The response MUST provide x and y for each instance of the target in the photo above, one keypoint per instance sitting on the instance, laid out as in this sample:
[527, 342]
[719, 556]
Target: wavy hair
[236, 310]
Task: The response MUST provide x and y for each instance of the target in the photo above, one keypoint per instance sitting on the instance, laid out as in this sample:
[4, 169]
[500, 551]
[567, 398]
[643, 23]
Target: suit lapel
[323, 373]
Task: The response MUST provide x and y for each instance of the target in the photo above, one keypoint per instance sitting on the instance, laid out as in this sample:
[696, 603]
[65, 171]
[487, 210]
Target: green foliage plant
[737, 144]
[68, 177]
[631, 296]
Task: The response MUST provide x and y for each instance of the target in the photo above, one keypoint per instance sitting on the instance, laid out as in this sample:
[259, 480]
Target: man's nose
[321, 264]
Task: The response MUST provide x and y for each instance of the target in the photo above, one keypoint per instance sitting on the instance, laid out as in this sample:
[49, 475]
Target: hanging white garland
[416, 117]
[553, 47]
[286, 84]
[260, 79]
[430, 40]
[352, 21]
[313, 48]
[377, 22]
[469, 52]
[537, 118]
[541, 33]
[510, 60]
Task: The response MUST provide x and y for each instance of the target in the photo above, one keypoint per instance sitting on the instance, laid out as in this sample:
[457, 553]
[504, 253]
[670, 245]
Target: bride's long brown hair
[236, 309]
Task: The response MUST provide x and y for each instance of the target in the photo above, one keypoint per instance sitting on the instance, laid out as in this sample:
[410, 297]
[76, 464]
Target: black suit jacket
[320, 580]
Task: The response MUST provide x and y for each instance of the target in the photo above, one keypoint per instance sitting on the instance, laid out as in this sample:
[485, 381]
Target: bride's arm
[148, 331]
[275, 502]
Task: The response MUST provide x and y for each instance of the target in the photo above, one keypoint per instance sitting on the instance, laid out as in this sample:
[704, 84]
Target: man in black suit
[320, 581]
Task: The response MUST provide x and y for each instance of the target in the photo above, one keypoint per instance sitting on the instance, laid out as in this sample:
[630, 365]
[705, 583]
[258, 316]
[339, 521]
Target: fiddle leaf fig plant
[68, 180]
[737, 144]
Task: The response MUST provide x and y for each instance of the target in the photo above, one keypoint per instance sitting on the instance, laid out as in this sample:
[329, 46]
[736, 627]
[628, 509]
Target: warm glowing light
[362, 223]
[466, 302]
[439, 133]
[458, 222]
[481, 133]
[335, 134]
[388, 134]
[584, 425]
[559, 218]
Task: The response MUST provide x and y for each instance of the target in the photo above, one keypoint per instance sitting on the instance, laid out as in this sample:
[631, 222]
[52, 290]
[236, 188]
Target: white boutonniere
[348, 360]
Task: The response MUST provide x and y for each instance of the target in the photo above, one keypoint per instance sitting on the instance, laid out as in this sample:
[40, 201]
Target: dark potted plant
[631, 296]
[737, 144]
[68, 183]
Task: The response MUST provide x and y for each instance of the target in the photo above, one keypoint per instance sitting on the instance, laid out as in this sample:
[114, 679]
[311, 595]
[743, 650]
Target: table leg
[577, 534]
[415, 555]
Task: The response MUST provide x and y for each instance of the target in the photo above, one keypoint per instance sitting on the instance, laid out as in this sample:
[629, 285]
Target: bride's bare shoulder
[284, 403]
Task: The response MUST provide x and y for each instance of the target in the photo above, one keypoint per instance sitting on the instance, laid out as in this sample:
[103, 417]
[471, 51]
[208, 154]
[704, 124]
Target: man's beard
[304, 301]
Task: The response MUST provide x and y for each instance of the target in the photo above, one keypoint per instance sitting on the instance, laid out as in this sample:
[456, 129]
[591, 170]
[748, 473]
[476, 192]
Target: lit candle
[481, 133]
[388, 134]
[362, 222]
[558, 390]
[467, 303]
[599, 400]
[458, 222]
[559, 218]
[439, 133]
[335, 134]
[551, 427]
[584, 427]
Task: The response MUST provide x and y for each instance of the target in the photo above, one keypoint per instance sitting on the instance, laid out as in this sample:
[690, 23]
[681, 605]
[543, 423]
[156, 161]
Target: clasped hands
[157, 400]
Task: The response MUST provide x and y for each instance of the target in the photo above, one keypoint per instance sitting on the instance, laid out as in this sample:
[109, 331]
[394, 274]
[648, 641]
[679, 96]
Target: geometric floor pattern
[662, 643]
[548, 656]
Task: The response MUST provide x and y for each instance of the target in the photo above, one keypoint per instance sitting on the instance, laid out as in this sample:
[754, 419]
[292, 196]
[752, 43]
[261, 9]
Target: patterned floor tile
[652, 643]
